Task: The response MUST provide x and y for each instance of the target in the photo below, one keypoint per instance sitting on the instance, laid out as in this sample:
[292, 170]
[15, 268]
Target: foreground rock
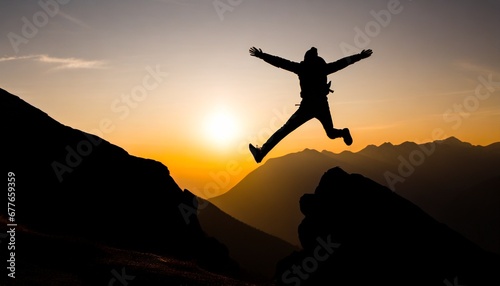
[357, 232]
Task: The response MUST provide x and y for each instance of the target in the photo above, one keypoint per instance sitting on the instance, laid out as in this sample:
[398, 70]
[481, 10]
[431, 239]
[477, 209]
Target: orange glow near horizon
[210, 171]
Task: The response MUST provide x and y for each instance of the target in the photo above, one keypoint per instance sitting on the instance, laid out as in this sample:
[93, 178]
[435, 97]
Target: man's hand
[366, 53]
[254, 52]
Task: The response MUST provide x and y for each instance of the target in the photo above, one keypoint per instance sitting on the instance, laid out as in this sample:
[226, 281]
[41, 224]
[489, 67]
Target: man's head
[311, 54]
[311, 58]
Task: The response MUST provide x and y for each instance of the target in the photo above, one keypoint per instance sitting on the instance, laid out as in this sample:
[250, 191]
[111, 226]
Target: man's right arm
[274, 60]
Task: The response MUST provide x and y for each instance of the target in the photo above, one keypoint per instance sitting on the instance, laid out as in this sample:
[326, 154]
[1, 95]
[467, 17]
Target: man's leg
[324, 116]
[301, 116]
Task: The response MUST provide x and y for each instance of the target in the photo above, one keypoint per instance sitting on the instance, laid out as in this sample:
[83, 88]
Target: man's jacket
[312, 73]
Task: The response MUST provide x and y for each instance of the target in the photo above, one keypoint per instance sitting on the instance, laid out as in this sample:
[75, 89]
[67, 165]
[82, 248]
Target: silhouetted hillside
[54, 260]
[73, 184]
[358, 232]
[256, 252]
[475, 211]
[441, 182]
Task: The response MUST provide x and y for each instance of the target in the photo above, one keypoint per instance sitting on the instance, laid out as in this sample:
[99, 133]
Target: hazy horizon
[173, 80]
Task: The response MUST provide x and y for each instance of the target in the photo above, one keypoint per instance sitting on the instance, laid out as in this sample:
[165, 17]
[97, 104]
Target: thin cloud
[8, 59]
[60, 63]
[71, 63]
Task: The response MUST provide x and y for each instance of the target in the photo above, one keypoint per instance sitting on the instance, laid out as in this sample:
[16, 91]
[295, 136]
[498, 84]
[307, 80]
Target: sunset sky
[172, 80]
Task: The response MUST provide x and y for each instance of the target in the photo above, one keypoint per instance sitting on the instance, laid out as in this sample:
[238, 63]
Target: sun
[221, 127]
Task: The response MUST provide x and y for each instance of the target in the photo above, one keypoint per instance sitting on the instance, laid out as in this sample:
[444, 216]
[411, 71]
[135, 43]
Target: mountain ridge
[427, 174]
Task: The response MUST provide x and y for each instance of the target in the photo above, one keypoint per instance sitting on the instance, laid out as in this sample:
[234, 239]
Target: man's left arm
[344, 62]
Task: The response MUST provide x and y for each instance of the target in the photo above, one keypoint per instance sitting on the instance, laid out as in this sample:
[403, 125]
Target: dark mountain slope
[358, 232]
[73, 184]
[256, 252]
[54, 260]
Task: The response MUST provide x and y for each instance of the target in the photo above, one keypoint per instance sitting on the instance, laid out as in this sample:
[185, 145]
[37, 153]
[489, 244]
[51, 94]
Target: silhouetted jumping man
[314, 88]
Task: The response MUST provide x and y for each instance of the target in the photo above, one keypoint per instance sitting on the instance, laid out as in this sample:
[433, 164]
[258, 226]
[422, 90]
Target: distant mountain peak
[453, 141]
[304, 153]
[387, 144]
[328, 152]
[310, 150]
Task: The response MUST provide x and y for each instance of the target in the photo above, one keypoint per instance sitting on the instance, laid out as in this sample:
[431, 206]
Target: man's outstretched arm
[344, 62]
[274, 60]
